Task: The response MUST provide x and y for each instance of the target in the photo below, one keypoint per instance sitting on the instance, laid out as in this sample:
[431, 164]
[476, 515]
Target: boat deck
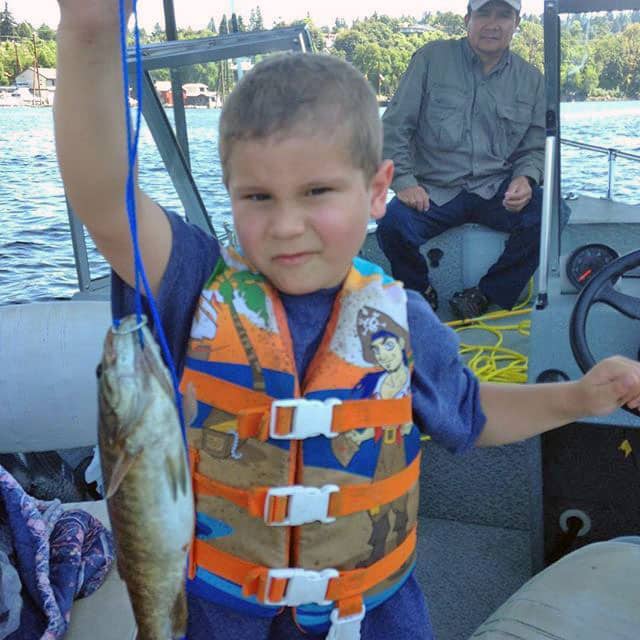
[484, 531]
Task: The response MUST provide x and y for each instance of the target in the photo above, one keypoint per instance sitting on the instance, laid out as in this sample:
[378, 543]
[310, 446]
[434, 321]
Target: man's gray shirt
[450, 127]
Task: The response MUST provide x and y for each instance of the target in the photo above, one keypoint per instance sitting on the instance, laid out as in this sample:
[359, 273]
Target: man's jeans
[403, 230]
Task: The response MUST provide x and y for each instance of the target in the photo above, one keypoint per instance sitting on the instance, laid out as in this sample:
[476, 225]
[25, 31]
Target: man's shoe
[431, 296]
[469, 303]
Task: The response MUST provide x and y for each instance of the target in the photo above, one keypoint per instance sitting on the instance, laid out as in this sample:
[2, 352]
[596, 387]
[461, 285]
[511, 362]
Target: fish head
[130, 360]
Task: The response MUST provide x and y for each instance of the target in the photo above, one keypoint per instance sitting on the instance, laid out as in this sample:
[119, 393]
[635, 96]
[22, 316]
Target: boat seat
[48, 361]
[591, 594]
[105, 614]
[49, 401]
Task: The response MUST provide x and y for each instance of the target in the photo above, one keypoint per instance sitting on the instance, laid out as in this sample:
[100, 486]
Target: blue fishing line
[132, 150]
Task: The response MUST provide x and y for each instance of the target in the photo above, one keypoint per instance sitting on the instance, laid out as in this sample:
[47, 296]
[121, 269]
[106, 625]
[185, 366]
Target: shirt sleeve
[446, 394]
[400, 121]
[193, 257]
[528, 158]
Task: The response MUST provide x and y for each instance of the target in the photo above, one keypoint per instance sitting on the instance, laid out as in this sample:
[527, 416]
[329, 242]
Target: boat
[490, 520]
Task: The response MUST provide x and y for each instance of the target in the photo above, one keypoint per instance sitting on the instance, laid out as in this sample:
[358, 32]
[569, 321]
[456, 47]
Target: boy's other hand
[610, 384]
[415, 197]
[518, 194]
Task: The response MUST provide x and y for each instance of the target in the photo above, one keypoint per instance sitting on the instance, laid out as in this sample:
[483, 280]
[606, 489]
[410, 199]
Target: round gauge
[586, 261]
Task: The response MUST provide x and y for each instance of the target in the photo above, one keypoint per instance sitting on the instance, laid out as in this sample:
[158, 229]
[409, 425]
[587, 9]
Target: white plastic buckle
[304, 586]
[310, 418]
[306, 504]
[347, 628]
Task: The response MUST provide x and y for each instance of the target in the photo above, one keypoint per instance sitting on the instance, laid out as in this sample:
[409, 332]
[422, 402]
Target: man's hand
[415, 197]
[610, 384]
[517, 195]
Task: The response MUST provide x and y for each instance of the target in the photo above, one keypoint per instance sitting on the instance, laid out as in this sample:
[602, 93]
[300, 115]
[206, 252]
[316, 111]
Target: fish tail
[179, 615]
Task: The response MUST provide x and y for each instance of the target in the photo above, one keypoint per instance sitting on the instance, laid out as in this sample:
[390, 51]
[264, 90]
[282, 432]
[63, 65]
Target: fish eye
[99, 370]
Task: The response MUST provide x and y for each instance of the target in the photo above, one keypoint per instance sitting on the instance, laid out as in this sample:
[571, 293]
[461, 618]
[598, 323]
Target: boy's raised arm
[90, 139]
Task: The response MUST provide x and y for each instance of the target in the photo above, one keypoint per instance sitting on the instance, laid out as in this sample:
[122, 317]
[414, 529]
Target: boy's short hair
[311, 92]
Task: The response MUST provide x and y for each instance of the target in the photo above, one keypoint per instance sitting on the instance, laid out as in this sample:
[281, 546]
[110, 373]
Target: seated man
[465, 131]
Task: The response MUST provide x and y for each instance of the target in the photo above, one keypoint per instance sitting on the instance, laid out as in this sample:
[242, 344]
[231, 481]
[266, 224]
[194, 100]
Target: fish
[146, 474]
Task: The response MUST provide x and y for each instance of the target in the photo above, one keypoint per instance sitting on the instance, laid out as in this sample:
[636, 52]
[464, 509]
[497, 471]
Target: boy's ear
[380, 184]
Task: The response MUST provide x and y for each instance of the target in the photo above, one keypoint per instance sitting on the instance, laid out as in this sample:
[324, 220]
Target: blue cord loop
[132, 151]
[133, 138]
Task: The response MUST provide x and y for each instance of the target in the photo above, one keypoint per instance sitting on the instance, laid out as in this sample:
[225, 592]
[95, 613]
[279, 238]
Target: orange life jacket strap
[254, 408]
[350, 414]
[345, 588]
[227, 396]
[274, 509]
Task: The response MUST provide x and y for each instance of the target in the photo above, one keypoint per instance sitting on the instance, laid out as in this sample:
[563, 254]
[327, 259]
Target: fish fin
[190, 404]
[183, 474]
[173, 473]
[120, 469]
[120, 569]
[158, 370]
[179, 615]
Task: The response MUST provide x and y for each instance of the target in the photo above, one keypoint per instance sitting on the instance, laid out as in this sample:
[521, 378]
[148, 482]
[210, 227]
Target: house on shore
[194, 94]
[42, 83]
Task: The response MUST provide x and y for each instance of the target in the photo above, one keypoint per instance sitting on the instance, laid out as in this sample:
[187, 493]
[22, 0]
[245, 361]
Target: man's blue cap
[477, 4]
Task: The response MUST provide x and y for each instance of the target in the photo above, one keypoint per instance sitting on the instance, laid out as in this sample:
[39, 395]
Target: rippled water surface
[36, 258]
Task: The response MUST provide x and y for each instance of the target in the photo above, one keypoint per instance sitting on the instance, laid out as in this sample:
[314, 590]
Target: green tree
[7, 23]
[223, 29]
[450, 23]
[631, 41]
[529, 44]
[45, 32]
[347, 41]
[256, 22]
[24, 30]
[339, 24]
[46, 53]
[211, 26]
[158, 34]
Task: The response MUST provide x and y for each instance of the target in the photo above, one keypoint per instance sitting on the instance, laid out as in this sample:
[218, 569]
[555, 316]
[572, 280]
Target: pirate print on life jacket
[364, 469]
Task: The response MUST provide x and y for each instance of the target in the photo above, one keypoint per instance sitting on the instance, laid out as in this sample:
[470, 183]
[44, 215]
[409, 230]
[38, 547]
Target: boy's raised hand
[610, 384]
[91, 143]
[89, 13]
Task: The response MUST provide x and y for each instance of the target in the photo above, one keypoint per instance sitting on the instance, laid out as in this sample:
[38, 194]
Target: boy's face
[301, 208]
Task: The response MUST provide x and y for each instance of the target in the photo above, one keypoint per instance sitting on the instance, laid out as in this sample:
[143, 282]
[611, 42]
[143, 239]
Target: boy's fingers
[628, 387]
[633, 404]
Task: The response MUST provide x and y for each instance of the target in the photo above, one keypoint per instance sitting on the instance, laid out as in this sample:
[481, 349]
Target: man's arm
[401, 120]
[528, 158]
[515, 412]
[91, 139]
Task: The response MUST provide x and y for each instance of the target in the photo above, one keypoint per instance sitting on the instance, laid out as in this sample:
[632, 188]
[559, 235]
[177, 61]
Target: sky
[196, 14]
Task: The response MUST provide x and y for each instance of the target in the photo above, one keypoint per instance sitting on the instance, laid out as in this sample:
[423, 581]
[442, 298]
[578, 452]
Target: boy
[300, 144]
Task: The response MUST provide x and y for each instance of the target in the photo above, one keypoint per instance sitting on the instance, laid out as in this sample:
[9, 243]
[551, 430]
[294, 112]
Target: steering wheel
[600, 289]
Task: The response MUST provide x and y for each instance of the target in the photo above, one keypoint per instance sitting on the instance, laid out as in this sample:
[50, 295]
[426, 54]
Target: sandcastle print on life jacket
[384, 343]
[243, 294]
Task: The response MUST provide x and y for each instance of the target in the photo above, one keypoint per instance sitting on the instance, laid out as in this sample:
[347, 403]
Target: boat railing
[613, 155]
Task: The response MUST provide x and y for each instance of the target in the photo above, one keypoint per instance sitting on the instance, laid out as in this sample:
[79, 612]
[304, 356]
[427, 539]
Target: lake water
[36, 258]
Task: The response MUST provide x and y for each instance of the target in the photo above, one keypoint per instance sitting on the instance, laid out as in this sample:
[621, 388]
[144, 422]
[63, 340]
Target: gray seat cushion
[106, 614]
[590, 594]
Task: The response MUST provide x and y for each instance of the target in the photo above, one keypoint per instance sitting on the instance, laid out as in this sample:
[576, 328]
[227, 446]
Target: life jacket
[306, 490]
